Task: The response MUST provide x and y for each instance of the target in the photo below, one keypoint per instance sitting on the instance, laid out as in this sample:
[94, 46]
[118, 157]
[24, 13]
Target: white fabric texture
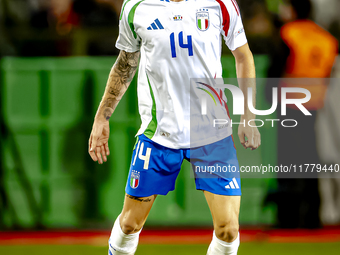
[179, 41]
[219, 247]
[121, 243]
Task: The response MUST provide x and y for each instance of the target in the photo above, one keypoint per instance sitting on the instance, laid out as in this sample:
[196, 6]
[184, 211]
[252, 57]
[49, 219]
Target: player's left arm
[245, 68]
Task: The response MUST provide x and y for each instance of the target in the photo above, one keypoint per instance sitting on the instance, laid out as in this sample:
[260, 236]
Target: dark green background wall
[47, 178]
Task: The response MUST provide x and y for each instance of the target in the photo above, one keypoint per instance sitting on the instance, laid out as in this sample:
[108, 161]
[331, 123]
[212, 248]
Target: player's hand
[98, 142]
[250, 137]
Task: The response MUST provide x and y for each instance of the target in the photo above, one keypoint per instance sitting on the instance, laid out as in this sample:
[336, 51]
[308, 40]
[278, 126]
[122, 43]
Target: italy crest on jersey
[134, 179]
[202, 19]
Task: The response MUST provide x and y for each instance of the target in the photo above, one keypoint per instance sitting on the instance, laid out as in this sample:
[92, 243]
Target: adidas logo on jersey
[232, 185]
[155, 25]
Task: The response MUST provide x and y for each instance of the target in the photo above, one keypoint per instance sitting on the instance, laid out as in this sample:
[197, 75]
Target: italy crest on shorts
[202, 19]
[134, 179]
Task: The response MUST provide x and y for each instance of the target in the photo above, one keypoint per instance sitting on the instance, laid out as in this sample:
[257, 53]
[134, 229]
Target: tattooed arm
[119, 80]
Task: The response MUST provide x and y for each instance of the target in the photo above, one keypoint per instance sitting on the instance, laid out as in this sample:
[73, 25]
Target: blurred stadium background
[55, 59]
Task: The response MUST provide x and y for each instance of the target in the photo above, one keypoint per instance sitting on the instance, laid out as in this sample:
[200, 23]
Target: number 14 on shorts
[145, 158]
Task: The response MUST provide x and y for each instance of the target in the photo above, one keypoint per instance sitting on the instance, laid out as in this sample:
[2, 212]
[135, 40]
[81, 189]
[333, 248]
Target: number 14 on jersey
[183, 45]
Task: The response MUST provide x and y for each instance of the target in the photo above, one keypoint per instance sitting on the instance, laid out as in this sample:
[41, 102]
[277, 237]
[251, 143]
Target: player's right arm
[119, 80]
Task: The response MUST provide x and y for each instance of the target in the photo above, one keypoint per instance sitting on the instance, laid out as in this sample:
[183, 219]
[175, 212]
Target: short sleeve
[232, 28]
[128, 40]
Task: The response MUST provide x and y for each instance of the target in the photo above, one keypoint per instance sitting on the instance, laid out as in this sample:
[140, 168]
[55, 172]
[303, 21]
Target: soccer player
[176, 40]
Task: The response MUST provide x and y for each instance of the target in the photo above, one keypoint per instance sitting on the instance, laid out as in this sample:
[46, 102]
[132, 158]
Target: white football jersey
[179, 41]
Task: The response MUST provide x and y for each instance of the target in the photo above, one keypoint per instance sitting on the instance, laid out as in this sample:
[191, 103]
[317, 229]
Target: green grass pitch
[245, 249]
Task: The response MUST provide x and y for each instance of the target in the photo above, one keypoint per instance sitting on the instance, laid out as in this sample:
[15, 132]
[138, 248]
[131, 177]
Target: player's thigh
[153, 171]
[225, 213]
[135, 212]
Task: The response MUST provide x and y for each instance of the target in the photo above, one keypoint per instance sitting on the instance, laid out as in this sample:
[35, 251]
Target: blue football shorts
[154, 168]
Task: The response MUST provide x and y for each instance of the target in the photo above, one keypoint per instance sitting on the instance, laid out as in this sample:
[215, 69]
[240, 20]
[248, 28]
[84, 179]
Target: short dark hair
[303, 8]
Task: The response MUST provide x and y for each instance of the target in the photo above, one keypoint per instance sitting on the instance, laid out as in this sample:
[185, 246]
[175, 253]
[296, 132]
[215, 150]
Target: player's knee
[129, 227]
[227, 231]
